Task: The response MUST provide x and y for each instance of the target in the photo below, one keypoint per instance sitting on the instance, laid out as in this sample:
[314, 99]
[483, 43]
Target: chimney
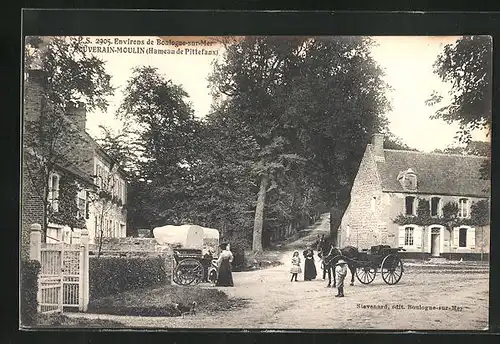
[34, 86]
[78, 114]
[378, 147]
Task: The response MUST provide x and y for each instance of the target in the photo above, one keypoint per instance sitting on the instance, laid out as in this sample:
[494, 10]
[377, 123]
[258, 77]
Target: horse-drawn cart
[195, 250]
[380, 258]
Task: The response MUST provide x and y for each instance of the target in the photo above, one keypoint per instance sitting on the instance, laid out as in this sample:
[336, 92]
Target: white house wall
[111, 211]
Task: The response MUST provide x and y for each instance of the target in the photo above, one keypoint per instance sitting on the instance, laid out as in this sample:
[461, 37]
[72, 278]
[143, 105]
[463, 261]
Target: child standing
[295, 269]
[340, 272]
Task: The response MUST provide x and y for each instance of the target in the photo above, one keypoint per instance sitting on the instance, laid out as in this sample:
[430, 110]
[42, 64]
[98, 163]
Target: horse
[331, 254]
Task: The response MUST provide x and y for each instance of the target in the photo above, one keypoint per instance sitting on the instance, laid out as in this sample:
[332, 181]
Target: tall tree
[64, 75]
[122, 147]
[303, 99]
[467, 66]
[222, 182]
[338, 103]
[250, 75]
[167, 134]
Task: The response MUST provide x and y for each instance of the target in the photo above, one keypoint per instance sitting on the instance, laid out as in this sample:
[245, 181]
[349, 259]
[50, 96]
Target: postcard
[256, 182]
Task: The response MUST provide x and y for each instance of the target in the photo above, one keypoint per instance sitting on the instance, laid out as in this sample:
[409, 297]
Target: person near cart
[225, 274]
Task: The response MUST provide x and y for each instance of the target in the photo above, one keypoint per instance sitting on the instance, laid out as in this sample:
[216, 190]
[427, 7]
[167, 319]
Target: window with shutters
[463, 208]
[435, 206]
[53, 196]
[81, 201]
[410, 205]
[409, 231]
[98, 173]
[410, 237]
[462, 237]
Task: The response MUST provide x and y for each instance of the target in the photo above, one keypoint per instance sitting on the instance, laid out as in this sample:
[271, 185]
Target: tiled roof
[444, 174]
[75, 171]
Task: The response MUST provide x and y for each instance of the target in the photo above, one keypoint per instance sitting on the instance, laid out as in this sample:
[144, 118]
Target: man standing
[340, 272]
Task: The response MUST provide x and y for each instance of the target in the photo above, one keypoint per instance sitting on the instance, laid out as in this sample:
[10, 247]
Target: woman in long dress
[225, 275]
[309, 266]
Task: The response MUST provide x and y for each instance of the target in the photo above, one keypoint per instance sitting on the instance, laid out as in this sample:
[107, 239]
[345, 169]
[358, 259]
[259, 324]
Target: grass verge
[61, 320]
[161, 301]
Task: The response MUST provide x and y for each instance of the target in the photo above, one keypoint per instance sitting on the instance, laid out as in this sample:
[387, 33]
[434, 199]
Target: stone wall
[131, 247]
[364, 215]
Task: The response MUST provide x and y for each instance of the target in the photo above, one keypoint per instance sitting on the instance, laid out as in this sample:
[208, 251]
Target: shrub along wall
[113, 275]
[29, 289]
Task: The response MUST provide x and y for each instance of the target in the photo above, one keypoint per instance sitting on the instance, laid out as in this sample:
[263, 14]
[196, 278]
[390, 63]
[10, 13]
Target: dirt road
[277, 303]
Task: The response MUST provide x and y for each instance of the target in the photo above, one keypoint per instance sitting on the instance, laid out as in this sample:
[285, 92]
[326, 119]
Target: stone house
[89, 167]
[390, 184]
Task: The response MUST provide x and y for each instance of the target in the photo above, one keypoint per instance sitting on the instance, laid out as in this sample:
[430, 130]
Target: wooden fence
[64, 276]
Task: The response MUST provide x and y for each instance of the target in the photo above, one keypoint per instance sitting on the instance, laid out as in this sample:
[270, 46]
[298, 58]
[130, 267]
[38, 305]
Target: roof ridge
[440, 154]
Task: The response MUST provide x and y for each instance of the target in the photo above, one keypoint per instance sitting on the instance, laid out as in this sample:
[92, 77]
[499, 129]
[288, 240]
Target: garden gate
[63, 278]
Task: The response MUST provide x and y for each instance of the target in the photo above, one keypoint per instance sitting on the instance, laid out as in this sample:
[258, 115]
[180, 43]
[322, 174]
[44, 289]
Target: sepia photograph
[256, 182]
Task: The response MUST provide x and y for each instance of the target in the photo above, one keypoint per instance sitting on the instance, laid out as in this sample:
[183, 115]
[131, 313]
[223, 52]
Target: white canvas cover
[187, 236]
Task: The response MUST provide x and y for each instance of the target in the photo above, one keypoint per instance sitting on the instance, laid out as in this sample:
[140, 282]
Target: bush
[29, 289]
[113, 275]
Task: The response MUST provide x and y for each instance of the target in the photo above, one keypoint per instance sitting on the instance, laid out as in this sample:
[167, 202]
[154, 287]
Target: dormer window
[408, 179]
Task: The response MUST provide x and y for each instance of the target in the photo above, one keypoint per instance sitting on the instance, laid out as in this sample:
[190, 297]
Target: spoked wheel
[392, 269]
[366, 275]
[188, 272]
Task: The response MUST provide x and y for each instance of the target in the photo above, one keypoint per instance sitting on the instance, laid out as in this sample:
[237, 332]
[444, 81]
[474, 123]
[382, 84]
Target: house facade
[107, 209]
[85, 168]
[425, 203]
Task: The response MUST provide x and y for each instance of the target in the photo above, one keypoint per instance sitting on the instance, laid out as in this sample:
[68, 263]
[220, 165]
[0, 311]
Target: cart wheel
[392, 269]
[366, 275]
[188, 272]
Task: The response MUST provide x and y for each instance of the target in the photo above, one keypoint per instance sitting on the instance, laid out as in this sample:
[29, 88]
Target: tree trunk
[259, 215]
[333, 231]
[101, 229]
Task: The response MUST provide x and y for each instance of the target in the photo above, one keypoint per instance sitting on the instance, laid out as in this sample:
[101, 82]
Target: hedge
[113, 275]
[29, 289]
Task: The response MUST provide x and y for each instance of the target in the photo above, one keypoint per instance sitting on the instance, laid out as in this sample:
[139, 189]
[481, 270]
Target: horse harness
[327, 261]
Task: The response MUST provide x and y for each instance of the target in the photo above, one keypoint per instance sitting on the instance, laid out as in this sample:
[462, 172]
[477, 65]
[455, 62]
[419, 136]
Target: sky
[407, 62]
